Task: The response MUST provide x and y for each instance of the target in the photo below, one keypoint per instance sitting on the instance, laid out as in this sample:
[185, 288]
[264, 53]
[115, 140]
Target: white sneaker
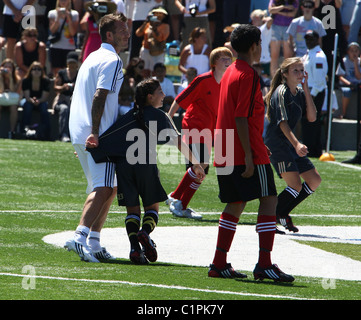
[103, 254]
[169, 200]
[176, 208]
[190, 213]
[82, 250]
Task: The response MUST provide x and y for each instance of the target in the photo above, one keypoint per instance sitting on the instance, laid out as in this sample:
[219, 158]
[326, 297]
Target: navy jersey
[284, 106]
[128, 138]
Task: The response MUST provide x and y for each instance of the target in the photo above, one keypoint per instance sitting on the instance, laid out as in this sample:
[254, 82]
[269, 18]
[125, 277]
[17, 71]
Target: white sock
[94, 241]
[81, 233]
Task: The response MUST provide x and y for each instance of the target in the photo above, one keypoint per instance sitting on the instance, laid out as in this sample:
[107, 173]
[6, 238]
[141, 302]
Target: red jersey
[240, 96]
[200, 100]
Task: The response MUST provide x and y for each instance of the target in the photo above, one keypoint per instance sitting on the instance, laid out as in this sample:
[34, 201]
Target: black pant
[311, 131]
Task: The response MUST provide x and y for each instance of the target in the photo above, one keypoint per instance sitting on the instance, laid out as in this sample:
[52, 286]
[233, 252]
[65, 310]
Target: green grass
[38, 176]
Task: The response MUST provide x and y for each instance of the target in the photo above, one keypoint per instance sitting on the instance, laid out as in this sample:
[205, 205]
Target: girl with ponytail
[286, 104]
[134, 153]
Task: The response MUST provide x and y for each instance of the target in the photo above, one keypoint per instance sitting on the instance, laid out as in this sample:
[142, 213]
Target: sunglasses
[308, 6]
[36, 69]
[32, 35]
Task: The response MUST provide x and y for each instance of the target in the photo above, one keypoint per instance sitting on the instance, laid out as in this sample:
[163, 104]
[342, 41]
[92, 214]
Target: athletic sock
[186, 188]
[81, 234]
[284, 200]
[286, 206]
[94, 241]
[132, 225]
[226, 230]
[304, 193]
[150, 221]
[266, 229]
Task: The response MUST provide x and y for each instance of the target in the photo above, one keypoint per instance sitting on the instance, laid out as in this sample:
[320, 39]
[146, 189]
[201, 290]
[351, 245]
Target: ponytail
[276, 81]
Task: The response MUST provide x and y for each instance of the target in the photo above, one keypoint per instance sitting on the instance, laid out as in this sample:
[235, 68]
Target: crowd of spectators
[66, 32]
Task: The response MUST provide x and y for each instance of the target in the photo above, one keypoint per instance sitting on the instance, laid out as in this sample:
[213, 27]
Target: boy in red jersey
[200, 100]
[244, 172]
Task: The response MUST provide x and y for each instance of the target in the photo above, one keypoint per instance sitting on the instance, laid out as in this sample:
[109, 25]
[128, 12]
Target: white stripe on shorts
[262, 173]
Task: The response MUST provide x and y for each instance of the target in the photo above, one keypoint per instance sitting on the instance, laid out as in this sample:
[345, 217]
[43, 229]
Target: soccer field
[42, 192]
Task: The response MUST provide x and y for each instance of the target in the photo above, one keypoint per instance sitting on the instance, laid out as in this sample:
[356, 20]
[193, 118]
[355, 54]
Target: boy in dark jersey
[242, 160]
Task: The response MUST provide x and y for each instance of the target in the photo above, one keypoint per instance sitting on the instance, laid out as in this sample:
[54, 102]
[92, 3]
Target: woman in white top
[195, 15]
[195, 54]
[64, 20]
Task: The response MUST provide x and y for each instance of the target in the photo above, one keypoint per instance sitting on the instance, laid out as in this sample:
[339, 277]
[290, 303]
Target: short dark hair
[159, 65]
[244, 36]
[107, 22]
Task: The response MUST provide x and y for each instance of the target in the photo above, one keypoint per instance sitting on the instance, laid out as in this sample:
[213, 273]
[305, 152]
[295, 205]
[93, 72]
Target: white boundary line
[350, 166]
[202, 213]
[139, 284]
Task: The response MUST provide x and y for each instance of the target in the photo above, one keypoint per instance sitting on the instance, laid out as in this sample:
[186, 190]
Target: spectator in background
[315, 63]
[36, 87]
[64, 20]
[154, 31]
[196, 15]
[89, 24]
[299, 26]
[349, 73]
[355, 22]
[235, 11]
[160, 72]
[140, 13]
[28, 50]
[10, 89]
[196, 53]
[328, 40]
[282, 12]
[12, 23]
[259, 19]
[175, 18]
[259, 4]
[64, 86]
[346, 10]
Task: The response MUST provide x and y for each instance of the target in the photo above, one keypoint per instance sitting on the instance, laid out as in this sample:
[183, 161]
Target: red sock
[226, 231]
[266, 228]
[186, 188]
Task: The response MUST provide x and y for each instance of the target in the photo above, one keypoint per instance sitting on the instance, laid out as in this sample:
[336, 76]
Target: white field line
[202, 213]
[346, 165]
[139, 284]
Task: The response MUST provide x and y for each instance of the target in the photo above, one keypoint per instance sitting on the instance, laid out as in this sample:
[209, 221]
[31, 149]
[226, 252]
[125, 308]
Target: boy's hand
[198, 170]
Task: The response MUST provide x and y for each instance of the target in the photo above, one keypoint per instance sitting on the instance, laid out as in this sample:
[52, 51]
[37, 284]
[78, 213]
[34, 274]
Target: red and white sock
[186, 188]
[226, 230]
[266, 229]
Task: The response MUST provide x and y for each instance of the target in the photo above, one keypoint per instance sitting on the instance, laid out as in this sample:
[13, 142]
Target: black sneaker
[273, 273]
[355, 160]
[288, 224]
[227, 272]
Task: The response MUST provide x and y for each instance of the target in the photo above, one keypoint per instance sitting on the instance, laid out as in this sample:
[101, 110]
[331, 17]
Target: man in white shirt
[315, 63]
[94, 109]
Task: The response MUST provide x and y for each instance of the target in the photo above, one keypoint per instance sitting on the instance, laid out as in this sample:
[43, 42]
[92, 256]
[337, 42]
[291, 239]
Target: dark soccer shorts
[234, 188]
[138, 180]
[290, 161]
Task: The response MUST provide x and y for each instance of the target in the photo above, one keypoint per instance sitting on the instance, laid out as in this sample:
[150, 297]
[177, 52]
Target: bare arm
[300, 148]
[243, 134]
[96, 112]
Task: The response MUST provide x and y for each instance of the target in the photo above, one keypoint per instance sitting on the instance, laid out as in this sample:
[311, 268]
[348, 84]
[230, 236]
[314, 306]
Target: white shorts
[97, 174]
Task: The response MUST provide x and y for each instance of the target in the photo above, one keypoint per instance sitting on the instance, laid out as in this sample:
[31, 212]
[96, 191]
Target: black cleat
[272, 273]
[227, 272]
[288, 224]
